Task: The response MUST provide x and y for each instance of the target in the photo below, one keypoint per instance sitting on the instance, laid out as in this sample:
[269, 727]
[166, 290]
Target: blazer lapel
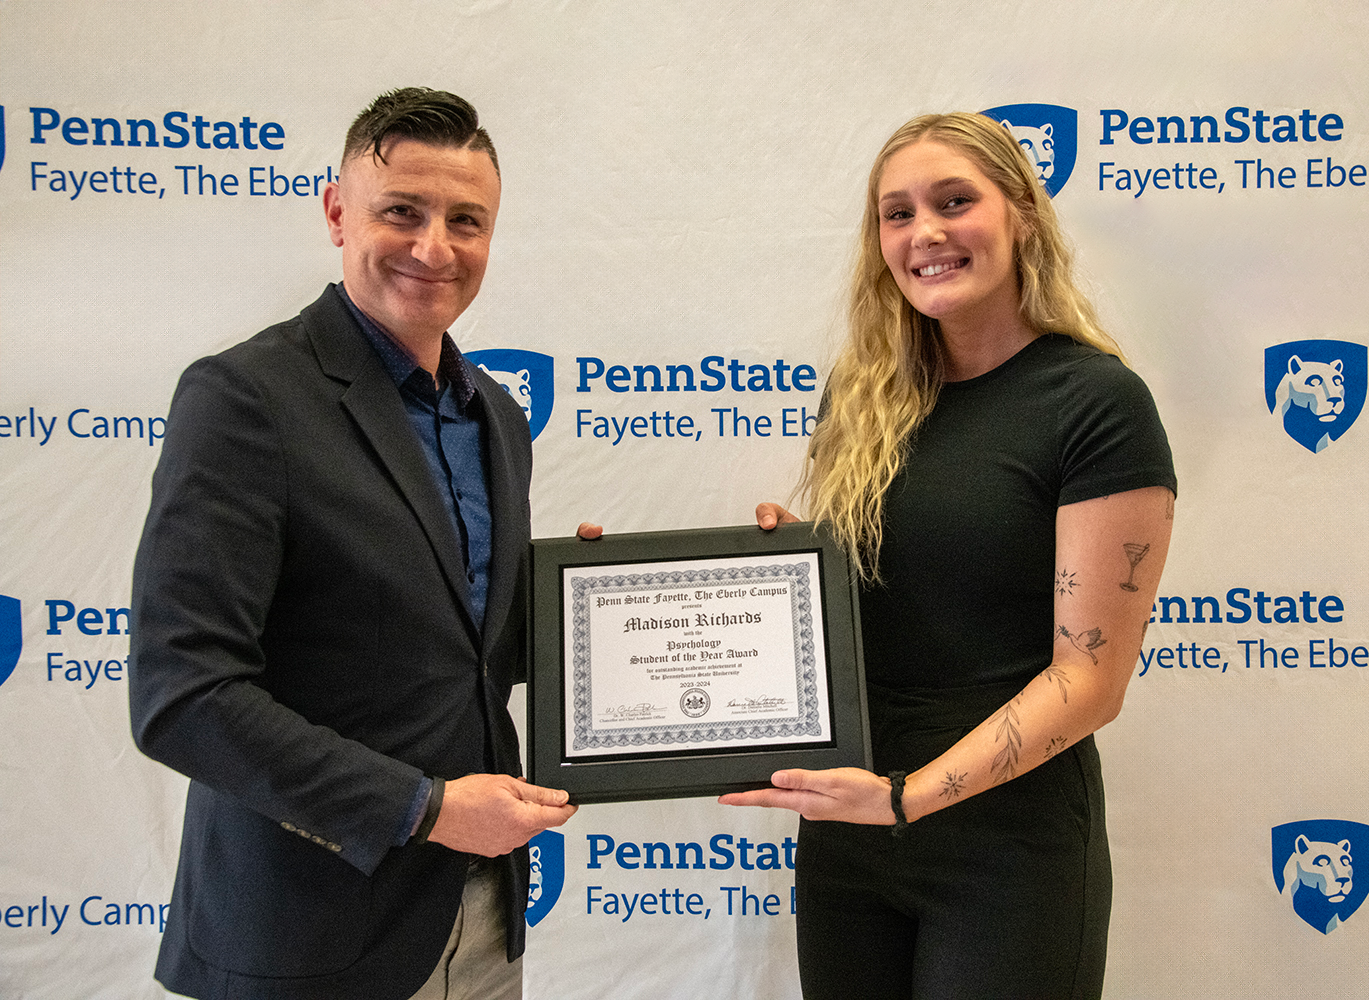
[508, 509]
[374, 403]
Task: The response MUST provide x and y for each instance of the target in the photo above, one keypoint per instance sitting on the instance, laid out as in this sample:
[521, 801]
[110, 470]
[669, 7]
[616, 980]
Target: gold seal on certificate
[693, 662]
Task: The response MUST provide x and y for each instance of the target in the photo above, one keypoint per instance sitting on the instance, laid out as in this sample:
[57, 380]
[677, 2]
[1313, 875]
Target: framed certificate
[679, 663]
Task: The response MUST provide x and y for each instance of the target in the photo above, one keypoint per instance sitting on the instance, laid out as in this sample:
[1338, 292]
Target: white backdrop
[685, 181]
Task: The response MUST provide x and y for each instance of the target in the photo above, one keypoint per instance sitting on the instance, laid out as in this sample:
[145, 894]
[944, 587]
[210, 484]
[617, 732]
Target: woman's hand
[848, 794]
[768, 515]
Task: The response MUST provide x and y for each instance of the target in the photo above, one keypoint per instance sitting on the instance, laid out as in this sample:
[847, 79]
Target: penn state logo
[1314, 869]
[11, 636]
[546, 874]
[526, 376]
[1048, 134]
[1316, 388]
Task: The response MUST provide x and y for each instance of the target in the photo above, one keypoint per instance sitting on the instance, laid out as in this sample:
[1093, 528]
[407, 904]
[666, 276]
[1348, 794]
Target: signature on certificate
[762, 703]
[626, 713]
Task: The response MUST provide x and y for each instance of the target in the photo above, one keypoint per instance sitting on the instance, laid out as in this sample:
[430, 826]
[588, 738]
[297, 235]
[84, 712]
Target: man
[329, 611]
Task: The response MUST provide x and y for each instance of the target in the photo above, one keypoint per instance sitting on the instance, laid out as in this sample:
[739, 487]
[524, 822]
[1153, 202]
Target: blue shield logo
[526, 376]
[1314, 869]
[1316, 387]
[1048, 134]
[547, 874]
[11, 636]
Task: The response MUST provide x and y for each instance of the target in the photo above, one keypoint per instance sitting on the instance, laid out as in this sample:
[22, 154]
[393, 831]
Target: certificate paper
[694, 655]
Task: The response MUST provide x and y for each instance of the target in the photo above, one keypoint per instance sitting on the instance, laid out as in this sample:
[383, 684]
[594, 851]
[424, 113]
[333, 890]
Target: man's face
[415, 234]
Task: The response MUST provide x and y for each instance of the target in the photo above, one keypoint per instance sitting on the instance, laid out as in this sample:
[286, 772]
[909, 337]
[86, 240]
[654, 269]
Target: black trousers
[1004, 895]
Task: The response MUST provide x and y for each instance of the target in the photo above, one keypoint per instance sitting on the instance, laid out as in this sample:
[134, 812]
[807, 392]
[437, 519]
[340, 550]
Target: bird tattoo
[1085, 642]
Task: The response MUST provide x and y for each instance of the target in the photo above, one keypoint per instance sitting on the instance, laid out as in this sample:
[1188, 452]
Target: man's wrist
[430, 814]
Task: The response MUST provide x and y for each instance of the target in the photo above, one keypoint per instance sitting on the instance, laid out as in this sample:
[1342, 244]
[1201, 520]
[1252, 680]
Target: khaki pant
[474, 964]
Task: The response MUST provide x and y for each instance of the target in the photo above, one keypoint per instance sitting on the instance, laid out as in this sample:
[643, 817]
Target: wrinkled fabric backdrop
[682, 185]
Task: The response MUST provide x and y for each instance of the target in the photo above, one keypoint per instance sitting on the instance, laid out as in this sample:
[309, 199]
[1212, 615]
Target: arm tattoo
[1055, 746]
[1064, 582]
[1057, 674]
[1004, 764]
[1085, 642]
[953, 784]
[1135, 553]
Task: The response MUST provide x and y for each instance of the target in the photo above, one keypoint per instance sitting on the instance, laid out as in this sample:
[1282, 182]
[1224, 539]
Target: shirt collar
[452, 366]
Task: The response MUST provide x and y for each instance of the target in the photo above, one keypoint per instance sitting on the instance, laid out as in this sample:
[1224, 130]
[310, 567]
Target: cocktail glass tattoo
[1135, 553]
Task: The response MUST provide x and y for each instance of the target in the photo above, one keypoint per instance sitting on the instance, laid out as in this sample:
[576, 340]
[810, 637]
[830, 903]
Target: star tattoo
[953, 784]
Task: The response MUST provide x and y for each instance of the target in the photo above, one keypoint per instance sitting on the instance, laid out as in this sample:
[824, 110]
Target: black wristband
[896, 800]
[430, 814]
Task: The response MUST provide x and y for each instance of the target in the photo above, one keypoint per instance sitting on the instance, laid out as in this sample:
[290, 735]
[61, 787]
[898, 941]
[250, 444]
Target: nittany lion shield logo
[1314, 869]
[547, 873]
[1316, 388]
[11, 636]
[1048, 134]
[526, 376]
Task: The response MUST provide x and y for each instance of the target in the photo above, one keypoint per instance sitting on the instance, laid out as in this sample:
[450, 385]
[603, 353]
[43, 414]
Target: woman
[1005, 487]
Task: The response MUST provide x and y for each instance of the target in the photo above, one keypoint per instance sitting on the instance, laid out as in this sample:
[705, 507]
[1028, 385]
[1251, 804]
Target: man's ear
[332, 211]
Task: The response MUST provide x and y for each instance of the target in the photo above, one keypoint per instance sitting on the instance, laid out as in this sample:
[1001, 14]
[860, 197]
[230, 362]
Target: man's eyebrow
[414, 198]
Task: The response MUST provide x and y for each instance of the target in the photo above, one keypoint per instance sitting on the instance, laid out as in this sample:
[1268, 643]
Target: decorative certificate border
[808, 720]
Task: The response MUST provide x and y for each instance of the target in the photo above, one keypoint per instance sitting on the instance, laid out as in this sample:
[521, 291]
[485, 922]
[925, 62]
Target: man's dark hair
[434, 117]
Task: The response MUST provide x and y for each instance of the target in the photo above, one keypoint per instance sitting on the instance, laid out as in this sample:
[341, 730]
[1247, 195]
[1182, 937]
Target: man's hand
[588, 531]
[770, 515]
[491, 814]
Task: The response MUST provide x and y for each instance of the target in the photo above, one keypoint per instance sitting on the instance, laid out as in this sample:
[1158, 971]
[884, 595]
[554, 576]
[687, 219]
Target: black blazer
[303, 649]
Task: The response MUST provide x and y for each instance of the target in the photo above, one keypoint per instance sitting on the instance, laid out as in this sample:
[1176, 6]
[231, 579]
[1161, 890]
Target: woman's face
[947, 234]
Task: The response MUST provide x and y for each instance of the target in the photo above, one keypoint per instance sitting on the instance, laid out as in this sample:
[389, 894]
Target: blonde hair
[887, 377]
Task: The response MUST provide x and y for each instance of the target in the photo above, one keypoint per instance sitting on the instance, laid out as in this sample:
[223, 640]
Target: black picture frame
[645, 773]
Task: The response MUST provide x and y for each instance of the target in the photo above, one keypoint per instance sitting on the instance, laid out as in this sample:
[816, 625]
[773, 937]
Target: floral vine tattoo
[1055, 746]
[1135, 553]
[1064, 583]
[953, 784]
[1091, 640]
[1004, 764]
[1057, 674]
